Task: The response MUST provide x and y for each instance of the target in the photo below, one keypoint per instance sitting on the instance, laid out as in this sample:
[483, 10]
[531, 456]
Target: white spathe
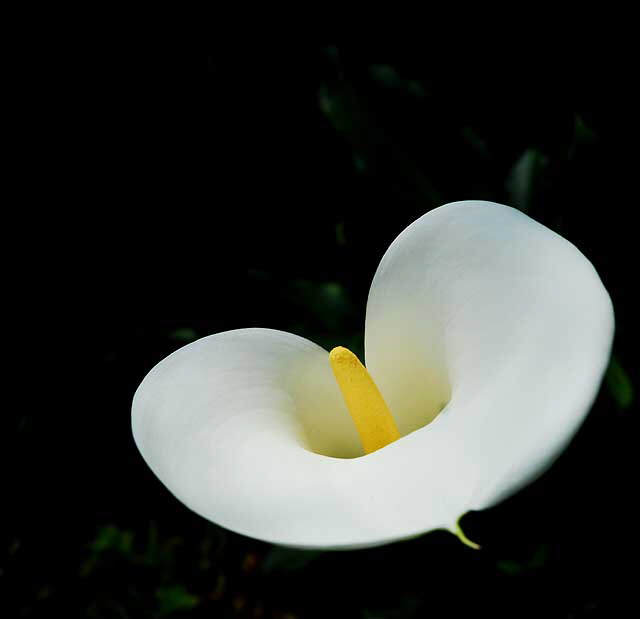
[476, 312]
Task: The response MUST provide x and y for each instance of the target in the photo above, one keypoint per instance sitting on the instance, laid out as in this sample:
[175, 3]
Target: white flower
[487, 335]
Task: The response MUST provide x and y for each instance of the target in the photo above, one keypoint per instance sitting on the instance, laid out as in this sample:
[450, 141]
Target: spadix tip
[343, 356]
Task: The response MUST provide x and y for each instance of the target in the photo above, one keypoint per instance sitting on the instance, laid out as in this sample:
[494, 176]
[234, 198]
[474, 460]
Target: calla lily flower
[486, 338]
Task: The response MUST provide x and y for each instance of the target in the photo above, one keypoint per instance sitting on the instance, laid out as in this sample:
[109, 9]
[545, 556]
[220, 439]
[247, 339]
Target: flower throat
[371, 416]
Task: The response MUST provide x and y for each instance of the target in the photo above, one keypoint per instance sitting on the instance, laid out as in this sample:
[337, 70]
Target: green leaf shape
[175, 598]
[619, 384]
[183, 334]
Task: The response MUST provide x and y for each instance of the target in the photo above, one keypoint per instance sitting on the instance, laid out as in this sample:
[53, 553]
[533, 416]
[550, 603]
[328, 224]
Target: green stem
[463, 538]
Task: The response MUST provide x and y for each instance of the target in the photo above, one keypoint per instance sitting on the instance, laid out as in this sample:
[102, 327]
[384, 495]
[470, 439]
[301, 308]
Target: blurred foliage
[310, 163]
[620, 384]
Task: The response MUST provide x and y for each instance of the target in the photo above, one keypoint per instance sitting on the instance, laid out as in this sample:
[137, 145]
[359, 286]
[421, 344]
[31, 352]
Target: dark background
[264, 193]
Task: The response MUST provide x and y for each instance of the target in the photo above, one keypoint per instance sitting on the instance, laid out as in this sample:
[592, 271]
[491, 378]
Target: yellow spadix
[372, 417]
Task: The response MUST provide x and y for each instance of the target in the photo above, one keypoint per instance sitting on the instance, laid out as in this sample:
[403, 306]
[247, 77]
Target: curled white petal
[478, 305]
[488, 336]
